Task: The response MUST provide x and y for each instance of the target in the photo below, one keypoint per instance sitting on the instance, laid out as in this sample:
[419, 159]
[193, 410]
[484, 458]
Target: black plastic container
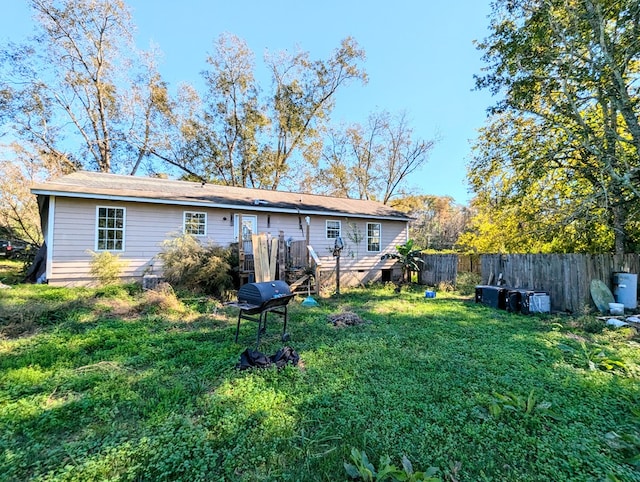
[494, 296]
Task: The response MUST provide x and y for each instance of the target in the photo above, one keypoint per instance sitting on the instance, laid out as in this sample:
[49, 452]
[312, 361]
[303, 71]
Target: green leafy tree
[570, 70]
[531, 196]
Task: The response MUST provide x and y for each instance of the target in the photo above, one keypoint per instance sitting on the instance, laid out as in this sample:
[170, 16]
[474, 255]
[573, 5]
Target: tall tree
[533, 193]
[572, 69]
[70, 91]
[372, 161]
[250, 138]
[302, 102]
[152, 117]
[234, 116]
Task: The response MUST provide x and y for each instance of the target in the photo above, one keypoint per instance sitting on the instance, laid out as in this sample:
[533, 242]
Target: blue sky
[420, 59]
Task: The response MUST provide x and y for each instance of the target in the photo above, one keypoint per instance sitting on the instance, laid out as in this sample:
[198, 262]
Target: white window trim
[326, 228]
[124, 228]
[379, 238]
[184, 222]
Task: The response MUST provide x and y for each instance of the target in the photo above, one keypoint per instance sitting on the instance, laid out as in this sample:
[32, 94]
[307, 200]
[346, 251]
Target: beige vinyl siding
[148, 225]
[356, 263]
[393, 233]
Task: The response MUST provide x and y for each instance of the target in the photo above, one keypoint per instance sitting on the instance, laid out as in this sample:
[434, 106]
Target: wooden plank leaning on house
[282, 253]
[265, 255]
[273, 258]
[257, 263]
[264, 258]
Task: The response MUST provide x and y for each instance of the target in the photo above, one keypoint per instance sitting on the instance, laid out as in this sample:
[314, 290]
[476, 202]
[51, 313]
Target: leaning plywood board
[601, 295]
[273, 258]
[264, 258]
[257, 265]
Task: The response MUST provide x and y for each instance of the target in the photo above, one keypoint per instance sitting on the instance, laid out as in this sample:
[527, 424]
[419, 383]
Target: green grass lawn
[114, 384]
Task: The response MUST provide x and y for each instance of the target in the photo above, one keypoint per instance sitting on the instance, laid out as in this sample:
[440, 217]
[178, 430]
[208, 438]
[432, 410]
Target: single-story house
[86, 212]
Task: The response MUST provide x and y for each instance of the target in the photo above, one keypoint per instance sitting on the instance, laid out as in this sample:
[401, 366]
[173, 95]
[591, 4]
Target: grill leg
[284, 328]
[262, 320]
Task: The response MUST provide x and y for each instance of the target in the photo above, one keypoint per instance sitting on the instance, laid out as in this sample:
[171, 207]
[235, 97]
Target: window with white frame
[110, 222]
[373, 236]
[333, 229]
[195, 223]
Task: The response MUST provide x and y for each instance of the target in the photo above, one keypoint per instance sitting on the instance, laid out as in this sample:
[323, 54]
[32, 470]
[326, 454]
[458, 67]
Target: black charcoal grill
[257, 300]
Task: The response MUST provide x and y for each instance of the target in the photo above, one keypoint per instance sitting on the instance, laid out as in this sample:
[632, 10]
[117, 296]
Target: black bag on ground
[255, 359]
[285, 355]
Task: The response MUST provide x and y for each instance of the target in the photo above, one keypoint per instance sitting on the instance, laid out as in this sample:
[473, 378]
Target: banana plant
[408, 256]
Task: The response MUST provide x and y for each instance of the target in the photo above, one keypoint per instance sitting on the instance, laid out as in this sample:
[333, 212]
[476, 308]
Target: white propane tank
[625, 289]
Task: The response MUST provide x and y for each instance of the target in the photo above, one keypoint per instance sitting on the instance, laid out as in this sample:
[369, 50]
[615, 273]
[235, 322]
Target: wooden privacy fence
[444, 268]
[566, 277]
[438, 268]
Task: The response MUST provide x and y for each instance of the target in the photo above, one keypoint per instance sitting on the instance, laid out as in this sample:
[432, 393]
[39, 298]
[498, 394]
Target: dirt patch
[116, 308]
[346, 318]
[16, 330]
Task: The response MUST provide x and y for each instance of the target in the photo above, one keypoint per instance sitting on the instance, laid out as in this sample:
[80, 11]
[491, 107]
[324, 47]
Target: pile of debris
[346, 318]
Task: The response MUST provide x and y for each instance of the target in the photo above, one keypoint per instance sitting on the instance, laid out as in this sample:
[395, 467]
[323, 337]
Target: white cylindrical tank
[625, 289]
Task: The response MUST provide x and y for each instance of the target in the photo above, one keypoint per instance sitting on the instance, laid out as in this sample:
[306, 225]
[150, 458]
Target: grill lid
[259, 293]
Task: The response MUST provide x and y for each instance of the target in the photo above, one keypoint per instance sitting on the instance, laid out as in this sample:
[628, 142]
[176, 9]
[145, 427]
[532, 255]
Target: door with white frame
[249, 227]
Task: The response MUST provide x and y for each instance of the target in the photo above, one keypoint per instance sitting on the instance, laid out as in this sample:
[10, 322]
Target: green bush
[466, 283]
[106, 267]
[592, 325]
[189, 265]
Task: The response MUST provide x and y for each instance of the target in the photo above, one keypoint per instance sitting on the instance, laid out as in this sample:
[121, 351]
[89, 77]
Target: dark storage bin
[494, 296]
[528, 301]
[514, 301]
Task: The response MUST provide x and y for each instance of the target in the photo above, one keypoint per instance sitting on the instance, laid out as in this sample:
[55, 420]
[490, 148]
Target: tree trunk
[619, 230]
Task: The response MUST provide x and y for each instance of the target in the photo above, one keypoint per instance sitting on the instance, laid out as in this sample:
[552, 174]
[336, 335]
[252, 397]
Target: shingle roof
[94, 185]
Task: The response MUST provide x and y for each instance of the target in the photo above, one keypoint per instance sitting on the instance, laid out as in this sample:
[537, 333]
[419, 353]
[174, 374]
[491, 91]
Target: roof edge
[39, 189]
